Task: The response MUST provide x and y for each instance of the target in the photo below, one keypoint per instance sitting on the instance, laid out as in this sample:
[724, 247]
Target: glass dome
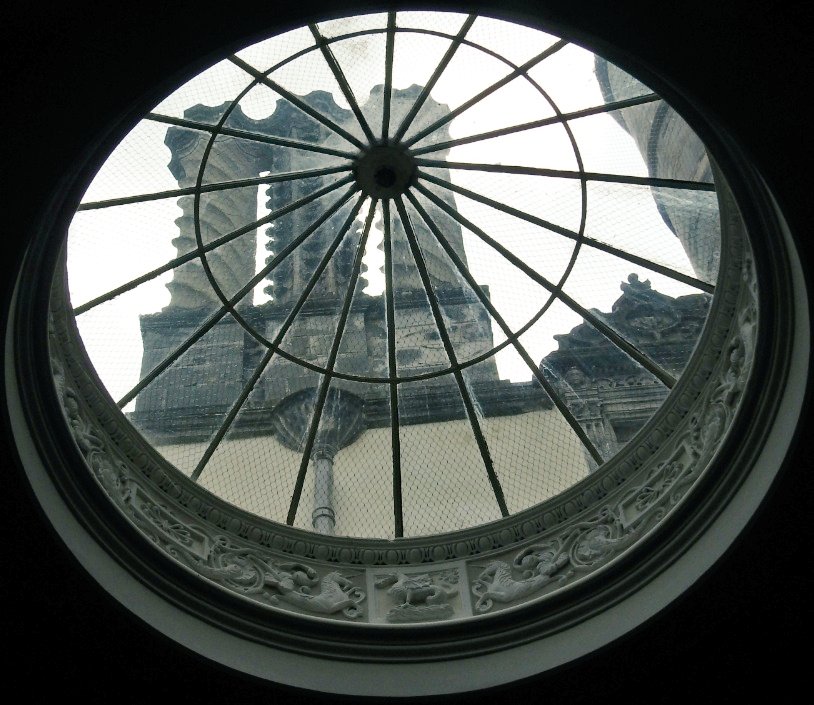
[397, 274]
[457, 602]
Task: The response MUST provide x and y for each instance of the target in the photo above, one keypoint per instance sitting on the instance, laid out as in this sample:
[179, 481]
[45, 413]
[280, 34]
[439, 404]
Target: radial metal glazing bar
[278, 338]
[388, 75]
[565, 232]
[248, 136]
[398, 516]
[322, 394]
[436, 74]
[209, 247]
[344, 86]
[208, 188]
[535, 370]
[563, 174]
[486, 92]
[643, 359]
[448, 347]
[555, 120]
[210, 322]
[296, 100]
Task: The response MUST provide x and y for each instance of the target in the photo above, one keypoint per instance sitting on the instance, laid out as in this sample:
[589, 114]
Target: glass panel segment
[362, 62]
[627, 217]
[546, 147]
[270, 52]
[448, 22]
[535, 452]
[515, 42]
[306, 75]
[256, 465]
[131, 239]
[419, 348]
[645, 307]
[139, 163]
[216, 86]
[602, 387]
[546, 252]
[556, 200]
[569, 78]
[184, 406]
[468, 323]
[445, 485]
[116, 332]
[347, 25]
[415, 57]
[468, 73]
[363, 469]
[491, 112]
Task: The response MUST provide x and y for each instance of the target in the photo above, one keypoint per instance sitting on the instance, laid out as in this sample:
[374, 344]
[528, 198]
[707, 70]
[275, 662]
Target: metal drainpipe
[342, 421]
[323, 518]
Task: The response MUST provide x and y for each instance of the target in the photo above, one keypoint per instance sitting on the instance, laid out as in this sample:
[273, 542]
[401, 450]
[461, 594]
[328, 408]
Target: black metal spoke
[275, 343]
[296, 101]
[249, 136]
[565, 232]
[322, 394]
[210, 322]
[510, 335]
[217, 186]
[209, 247]
[564, 174]
[388, 74]
[448, 347]
[339, 75]
[436, 74]
[642, 358]
[555, 120]
[398, 516]
[519, 71]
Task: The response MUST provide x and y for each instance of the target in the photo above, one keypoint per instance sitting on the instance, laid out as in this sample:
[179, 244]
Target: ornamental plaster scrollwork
[250, 573]
[537, 565]
[550, 564]
[112, 478]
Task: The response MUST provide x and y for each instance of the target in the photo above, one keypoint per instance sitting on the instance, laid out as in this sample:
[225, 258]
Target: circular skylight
[397, 274]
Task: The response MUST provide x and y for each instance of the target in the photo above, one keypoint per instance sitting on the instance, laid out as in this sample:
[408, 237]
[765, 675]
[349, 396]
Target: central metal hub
[385, 171]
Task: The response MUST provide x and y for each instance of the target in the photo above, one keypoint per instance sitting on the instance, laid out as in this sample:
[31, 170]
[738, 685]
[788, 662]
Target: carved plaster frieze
[415, 596]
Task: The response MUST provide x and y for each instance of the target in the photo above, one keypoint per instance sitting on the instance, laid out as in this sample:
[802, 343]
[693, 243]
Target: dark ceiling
[70, 69]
